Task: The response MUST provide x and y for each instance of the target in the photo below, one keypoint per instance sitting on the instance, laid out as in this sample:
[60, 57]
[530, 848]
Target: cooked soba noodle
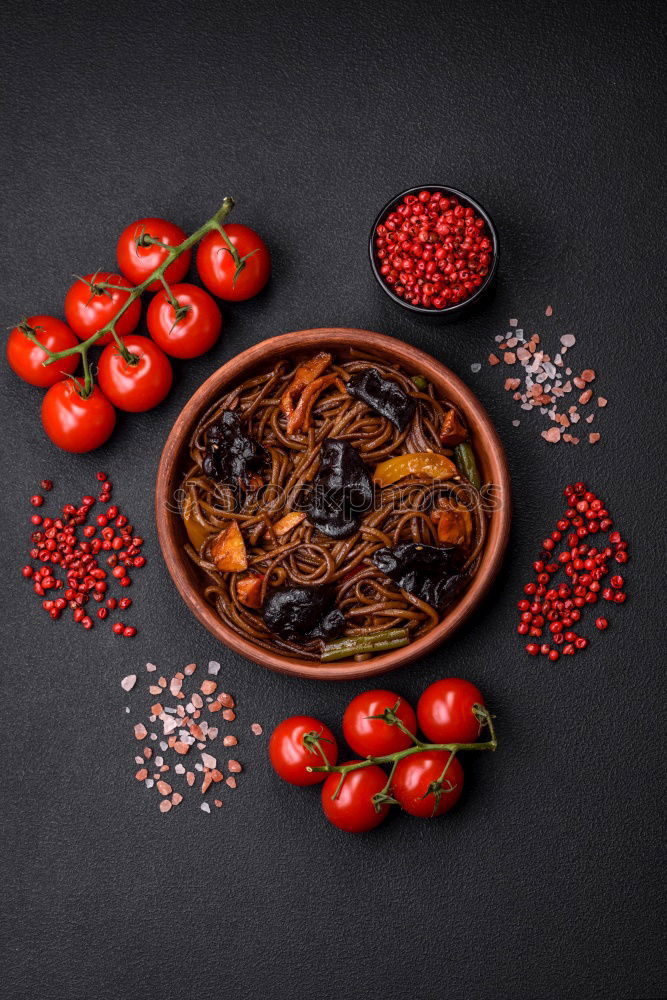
[369, 600]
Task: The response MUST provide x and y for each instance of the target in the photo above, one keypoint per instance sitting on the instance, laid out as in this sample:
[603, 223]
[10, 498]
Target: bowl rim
[457, 306]
[169, 524]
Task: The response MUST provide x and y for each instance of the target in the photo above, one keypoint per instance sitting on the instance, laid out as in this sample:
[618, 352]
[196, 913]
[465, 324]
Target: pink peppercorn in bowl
[434, 250]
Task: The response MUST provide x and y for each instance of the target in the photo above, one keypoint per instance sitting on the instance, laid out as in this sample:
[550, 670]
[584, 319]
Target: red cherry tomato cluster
[134, 372]
[557, 607]
[425, 778]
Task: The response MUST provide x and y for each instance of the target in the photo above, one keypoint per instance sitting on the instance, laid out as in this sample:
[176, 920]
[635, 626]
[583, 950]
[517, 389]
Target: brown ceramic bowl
[171, 533]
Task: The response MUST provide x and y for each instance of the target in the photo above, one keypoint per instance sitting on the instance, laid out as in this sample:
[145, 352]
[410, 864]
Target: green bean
[420, 382]
[465, 460]
[377, 642]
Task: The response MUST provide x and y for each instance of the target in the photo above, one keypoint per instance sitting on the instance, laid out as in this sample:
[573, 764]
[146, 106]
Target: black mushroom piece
[383, 395]
[303, 613]
[342, 491]
[429, 572]
[230, 456]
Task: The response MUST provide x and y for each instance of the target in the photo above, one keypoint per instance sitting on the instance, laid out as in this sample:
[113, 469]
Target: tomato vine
[215, 223]
[437, 788]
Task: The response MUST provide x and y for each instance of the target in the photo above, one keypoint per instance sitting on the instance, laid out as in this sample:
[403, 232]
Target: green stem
[393, 758]
[214, 223]
[87, 376]
[232, 249]
[168, 292]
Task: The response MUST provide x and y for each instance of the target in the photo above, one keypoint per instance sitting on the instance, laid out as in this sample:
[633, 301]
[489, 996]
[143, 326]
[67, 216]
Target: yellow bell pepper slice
[197, 532]
[421, 463]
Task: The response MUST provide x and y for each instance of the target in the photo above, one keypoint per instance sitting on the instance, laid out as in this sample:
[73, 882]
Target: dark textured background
[545, 881]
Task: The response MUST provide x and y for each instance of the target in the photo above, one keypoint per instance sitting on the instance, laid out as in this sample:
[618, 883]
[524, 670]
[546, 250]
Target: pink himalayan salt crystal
[548, 311]
[140, 731]
[128, 682]
[256, 729]
[552, 435]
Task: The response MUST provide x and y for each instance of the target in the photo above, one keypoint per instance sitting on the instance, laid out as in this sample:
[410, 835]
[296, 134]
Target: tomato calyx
[84, 390]
[239, 261]
[98, 288]
[313, 743]
[180, 312]
[142, 238]
[437, 788]
[391, 718]
[31, 333]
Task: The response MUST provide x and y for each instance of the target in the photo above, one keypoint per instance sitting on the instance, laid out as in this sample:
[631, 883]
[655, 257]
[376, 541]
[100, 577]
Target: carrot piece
[455, 527]
[452, 431]
[300, 417]
[228, 549]
[249, 590]
[288, 522]
[305, 373]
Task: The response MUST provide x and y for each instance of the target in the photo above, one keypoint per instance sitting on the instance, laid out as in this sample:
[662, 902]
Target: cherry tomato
[217, 268]
[135, 387]
[445, 711]
[352, 810]
[25, 358]
[138, 262]
[77, 424]
[88, 307]
[195, 332]
[374, 737]
[290, 756]
[415, 774]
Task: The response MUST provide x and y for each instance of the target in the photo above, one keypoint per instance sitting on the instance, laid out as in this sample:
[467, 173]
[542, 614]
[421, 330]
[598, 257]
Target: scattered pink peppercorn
[67, 549]
[559, 607]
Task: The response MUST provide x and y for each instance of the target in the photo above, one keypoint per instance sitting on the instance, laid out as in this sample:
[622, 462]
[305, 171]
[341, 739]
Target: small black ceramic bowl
[458, 309]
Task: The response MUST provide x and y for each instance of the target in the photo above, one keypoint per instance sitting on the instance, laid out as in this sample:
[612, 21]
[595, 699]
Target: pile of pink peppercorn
[68, 573]
[586, 563]
[433, 251]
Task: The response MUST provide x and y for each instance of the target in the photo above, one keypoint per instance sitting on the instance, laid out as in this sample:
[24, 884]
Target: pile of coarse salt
[546, 381]
[185, 734]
